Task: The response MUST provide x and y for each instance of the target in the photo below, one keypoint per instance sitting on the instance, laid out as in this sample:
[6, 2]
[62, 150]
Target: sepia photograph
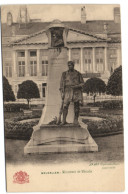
[62, 97]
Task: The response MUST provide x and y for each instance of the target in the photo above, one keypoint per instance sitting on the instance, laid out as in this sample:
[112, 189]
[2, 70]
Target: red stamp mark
[21, 177]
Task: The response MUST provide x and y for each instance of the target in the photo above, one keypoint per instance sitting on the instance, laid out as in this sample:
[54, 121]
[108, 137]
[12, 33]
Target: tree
[8, 94]
[28, 90]
[114, 86]
[94, 85]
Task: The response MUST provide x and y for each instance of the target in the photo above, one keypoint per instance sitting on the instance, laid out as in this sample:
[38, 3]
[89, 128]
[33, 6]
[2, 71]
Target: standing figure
[71, 91]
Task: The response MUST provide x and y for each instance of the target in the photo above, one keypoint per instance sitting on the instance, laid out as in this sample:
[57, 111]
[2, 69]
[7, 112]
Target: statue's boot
[65, 112]
[76, 116]
[76, 112]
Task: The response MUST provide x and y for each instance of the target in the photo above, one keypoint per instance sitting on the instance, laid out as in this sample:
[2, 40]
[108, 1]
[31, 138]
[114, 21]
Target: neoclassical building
[94, 46]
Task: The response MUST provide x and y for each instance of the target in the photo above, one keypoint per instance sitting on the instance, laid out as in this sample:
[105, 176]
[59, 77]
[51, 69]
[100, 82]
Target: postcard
[62, 95]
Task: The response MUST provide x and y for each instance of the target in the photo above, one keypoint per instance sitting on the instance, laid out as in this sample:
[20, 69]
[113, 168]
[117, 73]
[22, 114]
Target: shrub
[114, 86]
[8, 94]
[114, 104]
[94, 85]
[28, 90]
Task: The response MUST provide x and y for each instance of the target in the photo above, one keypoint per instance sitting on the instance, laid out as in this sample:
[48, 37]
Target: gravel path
[83, 117]
[29, 120]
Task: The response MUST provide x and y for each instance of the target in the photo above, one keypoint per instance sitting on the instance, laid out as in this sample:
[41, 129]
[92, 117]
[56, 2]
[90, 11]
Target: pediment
[34, 39]
[73, 36]
[76, 37]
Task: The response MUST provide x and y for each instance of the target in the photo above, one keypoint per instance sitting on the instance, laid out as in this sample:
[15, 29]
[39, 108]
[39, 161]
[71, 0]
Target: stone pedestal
[60, 139]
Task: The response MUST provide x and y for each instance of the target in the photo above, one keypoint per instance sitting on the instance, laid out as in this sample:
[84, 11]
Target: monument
[48, 136]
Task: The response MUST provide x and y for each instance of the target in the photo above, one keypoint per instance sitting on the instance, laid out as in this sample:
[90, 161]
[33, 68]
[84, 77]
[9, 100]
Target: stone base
[60, 139]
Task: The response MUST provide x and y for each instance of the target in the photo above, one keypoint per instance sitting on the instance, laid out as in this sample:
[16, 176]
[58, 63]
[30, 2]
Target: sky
[61, 12]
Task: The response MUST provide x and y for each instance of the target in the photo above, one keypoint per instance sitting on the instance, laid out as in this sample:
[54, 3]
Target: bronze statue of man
[71, 91]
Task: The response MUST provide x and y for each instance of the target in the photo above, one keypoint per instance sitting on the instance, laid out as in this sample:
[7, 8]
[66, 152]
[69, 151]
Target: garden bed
[105, 127]
[17, 130]
[111, 123]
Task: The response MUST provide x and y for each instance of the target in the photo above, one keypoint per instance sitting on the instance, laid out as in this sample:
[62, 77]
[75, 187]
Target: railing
[88, 99]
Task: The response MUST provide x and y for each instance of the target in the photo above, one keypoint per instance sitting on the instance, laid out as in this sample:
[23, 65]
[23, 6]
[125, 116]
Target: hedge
[108, 104]
[25, 117]
[15, 107]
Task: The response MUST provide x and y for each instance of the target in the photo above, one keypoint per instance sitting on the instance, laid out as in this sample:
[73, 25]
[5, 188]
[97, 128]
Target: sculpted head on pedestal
[57, 34]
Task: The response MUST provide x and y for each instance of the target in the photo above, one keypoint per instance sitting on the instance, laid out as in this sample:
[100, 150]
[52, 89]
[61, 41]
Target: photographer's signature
[104, 165]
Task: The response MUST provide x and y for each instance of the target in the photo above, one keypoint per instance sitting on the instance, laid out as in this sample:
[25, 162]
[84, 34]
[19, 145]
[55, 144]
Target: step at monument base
[60, 139]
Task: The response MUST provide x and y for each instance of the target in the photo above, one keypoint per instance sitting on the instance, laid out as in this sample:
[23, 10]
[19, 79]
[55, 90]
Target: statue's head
[71, 65]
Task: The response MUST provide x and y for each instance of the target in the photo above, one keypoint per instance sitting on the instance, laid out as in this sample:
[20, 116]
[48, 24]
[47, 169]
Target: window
[32, 53]
[44, 68]
[76, 61]
[21, 54]
[44, 87]
[75, 56]
[99, 59]
[113, 66]
[8, 70]
[33, 68]
[21, 63]
[44, 62]
[112, 59]
[44, 65]
[21, 68]
[112, 53]
[88, 60]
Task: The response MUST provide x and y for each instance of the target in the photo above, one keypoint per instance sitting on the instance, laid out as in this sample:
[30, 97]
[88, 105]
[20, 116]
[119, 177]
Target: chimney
[116, 14]
[23, 16]
[9, 19]
[105, 27]
[83, 15]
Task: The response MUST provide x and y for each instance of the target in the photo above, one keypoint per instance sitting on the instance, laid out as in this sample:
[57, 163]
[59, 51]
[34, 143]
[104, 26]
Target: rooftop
[94, 26]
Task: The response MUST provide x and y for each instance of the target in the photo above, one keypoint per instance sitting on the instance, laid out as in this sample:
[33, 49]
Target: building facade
[94, 46]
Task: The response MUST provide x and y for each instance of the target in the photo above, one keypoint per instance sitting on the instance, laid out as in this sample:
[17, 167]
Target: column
[105, 60]
[14, 63]
[38, 62]
[69, 54]
[93, 60]
[40, 89]
[27, 66]
[81, 60]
